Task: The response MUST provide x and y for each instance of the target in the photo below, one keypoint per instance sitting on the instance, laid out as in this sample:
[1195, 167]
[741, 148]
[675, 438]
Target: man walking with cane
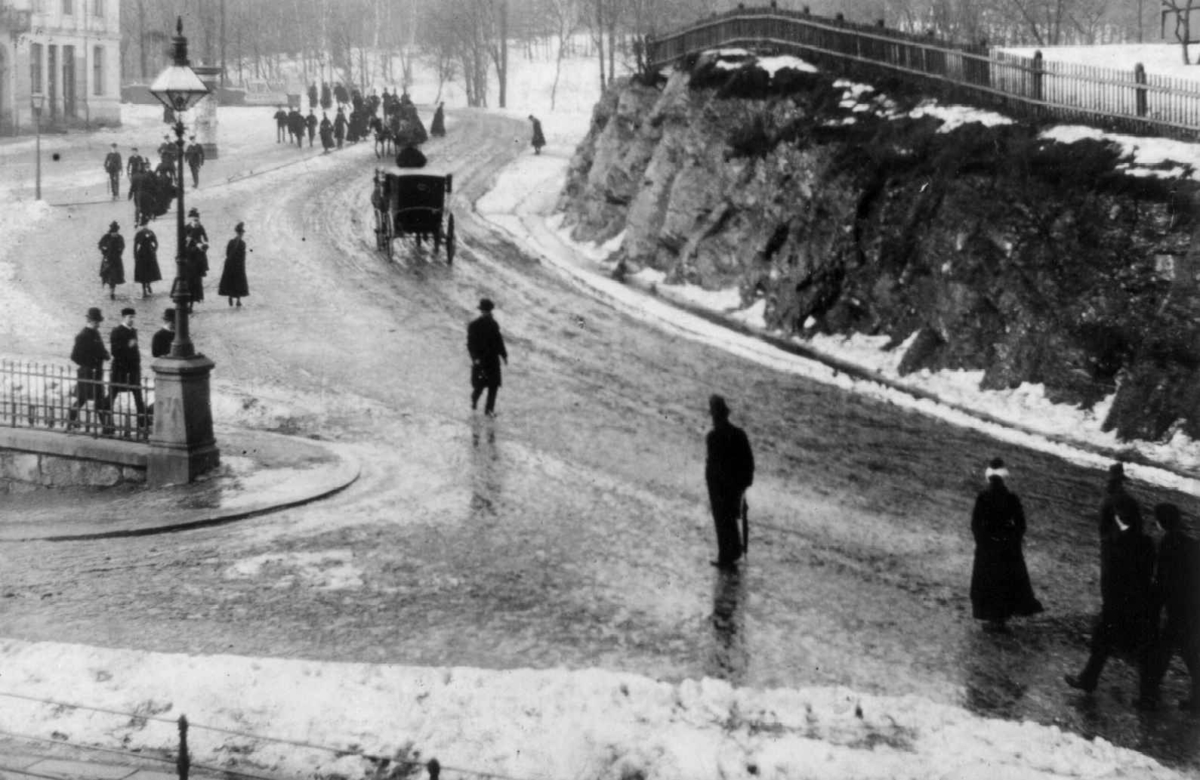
[728, 472]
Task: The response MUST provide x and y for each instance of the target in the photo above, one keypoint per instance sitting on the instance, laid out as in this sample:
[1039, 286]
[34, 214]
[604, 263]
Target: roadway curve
[572, 531]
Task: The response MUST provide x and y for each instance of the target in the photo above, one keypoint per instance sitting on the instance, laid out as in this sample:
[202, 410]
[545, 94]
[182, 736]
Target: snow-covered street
[531, 595]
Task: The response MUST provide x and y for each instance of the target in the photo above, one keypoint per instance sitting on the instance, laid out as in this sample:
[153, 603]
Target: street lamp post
[35, 102]
[182, 442]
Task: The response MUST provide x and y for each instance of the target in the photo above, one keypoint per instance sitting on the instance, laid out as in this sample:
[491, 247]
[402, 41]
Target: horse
[383, 138]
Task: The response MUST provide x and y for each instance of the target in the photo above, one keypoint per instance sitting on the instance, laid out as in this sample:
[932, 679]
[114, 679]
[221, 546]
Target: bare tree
[1182, 12]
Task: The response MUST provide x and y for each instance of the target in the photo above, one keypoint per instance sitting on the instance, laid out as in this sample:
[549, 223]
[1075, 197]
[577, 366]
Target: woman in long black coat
[1000, 586]
[233, 276]
[438, 127]
[195, 243]
[145, 258]
[112, 266]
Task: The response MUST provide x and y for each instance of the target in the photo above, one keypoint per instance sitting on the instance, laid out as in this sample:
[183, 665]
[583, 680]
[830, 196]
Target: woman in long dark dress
[233, 276]
[1000, 586]
[112, 266]
[145, 258]
[438, 127]
[195, 244]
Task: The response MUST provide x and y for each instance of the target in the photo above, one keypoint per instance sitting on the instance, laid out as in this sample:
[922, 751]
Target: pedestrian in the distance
[195, 252]
[1176, 591]
[437, 127]
[339, 127]
[112, 265]
[1126, 573]
[112, 165]
[538, 140]
[136, 166]
[281, 124]
[1000, 586]
[89, 355]
[160, 343]
[326, 133]
[233, 283]
[145, 258]
[728, 473]
[485, 345]
[194, 157]
[310, 124]
[126, 365]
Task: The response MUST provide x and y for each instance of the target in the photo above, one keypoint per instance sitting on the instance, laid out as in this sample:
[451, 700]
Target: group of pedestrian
[90, 354]
[1138, 583]
[137, 166]
[233, 284]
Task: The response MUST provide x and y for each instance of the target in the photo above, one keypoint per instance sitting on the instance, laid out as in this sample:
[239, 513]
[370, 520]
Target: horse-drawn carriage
[151, 195]
[410, 205]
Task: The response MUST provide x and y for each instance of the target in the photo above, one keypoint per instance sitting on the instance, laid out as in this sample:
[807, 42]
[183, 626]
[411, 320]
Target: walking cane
[745, 527]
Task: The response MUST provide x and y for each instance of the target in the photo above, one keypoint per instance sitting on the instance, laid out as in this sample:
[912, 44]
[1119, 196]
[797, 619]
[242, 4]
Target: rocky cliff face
[1032, 260]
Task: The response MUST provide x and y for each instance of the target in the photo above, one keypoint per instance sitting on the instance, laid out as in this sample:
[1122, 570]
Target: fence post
[1139, 76]
[183, 762]
[1038, 71]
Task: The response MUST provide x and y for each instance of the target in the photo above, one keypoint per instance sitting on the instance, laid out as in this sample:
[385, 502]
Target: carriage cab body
[412, 205]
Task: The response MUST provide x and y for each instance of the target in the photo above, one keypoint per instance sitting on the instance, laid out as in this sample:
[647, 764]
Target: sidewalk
[25, 758]
[259, 473]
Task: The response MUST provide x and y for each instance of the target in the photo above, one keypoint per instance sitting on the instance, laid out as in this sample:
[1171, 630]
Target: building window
[98, 70]
[35, 68]
[99, 7]
[68, 7]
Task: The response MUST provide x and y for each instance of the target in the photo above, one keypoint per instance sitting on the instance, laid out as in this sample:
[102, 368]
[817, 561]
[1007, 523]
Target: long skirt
[1000, 586]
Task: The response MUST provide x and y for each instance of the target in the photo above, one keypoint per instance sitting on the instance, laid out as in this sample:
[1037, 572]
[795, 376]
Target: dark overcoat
[438, 126]
[728, 473]
[89, 354]
[538, 140]
[145, 257]
[112, 266]
[1127, 574]
[485, 345]
[233, 275]
[1177, 584]
[195, 243]
[1000, 586]
[126, 357]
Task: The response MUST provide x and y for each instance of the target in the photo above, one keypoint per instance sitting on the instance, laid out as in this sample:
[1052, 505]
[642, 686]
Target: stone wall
[33, 460]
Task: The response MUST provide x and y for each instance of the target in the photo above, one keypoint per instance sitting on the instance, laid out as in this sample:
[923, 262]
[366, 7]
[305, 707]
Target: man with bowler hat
[89, 355]
[160, 344]
[112, 165]
[112, 265]
[728, 472]
[485, 345]
[126, 365]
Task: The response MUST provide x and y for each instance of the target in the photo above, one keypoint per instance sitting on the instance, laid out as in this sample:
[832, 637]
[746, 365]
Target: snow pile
[521, 723]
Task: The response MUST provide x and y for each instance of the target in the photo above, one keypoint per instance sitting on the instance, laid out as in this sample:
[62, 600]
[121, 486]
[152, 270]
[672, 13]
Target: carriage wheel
[390, 236]
[450, 240]
[437, 238]
[378, 231]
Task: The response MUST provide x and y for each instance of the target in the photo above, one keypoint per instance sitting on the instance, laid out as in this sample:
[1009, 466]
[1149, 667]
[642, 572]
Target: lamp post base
[182, 445]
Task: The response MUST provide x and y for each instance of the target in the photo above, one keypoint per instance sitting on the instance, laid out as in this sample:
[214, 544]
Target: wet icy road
[573, 531]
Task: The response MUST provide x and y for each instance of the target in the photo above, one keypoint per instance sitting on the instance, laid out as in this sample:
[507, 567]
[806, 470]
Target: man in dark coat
[1000, 586]
[194, 157]
[160, 344]
[145, 258]
[728, 473]
[195, 251]
[539, 139]
[1176, 590]
[167, 151]
[310, 124]
[233, 283]
[485, 345]
[112, 165]
[89, 355]
[281, 124]
[136, 165]
[438, 127]
[1126, 573]
[410, 157]
[326, 133]
[339, 128]
[296, 126]
[112, 266]
[126, 365]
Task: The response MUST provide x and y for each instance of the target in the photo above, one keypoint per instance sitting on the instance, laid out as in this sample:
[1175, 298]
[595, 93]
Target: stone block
[135, 475]
[19, 466]
[64, 472]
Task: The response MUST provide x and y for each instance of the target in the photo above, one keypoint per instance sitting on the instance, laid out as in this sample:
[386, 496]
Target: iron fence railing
[54, 398]
[1027, 87]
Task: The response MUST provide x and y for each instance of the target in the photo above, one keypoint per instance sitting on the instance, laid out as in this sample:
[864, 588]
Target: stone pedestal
[204, 113]
[182, 445]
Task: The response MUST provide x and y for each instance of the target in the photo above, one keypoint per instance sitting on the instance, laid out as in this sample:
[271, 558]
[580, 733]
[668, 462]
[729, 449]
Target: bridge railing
[1026, 87]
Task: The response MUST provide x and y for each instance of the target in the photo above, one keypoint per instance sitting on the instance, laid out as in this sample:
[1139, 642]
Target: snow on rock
[523, 723]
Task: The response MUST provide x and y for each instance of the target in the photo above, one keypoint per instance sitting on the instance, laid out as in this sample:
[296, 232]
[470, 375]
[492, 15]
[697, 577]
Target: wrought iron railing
[55, 398]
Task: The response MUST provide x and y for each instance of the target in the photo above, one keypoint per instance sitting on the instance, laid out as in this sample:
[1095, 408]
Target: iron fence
[1027, 87]
[55, 398]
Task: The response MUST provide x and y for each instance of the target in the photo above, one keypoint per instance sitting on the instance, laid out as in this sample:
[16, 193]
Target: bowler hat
[193, 212]
[94, 315]
[114, 226]
[240, 227]
[127, 311]
[169, 315]
[485, 304]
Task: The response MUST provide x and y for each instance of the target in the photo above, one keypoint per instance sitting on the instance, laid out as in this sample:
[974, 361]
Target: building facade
[67, 50]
